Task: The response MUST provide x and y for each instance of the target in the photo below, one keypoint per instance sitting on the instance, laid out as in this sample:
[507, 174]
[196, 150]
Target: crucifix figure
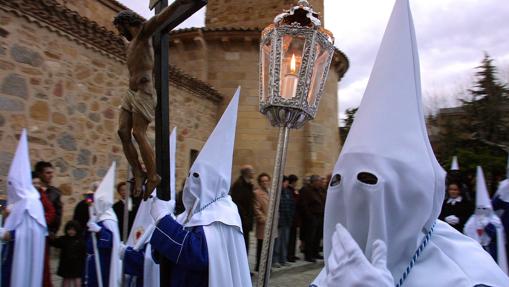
[139, 103]
[144, 72]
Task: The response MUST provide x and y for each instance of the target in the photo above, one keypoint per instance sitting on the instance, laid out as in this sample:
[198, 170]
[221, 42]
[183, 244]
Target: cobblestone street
[300, 276]
[295, 278]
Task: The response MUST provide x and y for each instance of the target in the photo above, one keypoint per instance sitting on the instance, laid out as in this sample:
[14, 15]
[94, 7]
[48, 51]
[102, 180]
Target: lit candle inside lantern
[290, 81]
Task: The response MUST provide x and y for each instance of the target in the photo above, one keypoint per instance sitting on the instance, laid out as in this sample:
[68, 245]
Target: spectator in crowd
[300, 210]
[242, 194]
[50, 216]
[312, 210]
[81, 214]
[118, 207]
[456, 209]
[45, 171]
[292, 241]
[286, 212]
[72, 254]
[261, 206]
[323, 193]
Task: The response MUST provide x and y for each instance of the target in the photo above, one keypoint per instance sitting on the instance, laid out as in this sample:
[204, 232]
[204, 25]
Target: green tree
[487, 107]
[481, 135]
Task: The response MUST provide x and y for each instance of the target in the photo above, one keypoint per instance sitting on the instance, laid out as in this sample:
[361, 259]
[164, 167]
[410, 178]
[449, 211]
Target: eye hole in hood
[336, 180]
[367, 178]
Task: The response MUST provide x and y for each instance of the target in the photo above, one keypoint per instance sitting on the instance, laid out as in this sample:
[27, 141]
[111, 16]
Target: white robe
[228, 264]
[453, 259]
[221, 242]
[151, 274]
[449, 259]
[470, 230]
[116, 263]
[28, 258]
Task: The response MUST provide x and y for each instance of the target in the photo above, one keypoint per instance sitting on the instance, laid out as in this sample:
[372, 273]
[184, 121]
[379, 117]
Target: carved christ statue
[138, 105]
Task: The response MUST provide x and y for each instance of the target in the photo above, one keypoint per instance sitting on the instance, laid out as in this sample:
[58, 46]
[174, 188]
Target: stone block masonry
[68, 95]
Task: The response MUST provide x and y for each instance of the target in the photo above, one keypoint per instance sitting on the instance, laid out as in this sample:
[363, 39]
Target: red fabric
[46, 279]
[50, 213]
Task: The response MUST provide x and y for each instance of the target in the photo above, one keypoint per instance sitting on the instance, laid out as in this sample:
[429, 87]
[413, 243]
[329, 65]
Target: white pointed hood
[103, 196]
[21, 194]
[482, 198]
[208, 204]
[208, 182]
[389, 140]
[454, 164]
[483, 216]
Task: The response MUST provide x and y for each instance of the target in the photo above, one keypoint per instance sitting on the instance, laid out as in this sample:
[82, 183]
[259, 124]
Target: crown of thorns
[128, 17]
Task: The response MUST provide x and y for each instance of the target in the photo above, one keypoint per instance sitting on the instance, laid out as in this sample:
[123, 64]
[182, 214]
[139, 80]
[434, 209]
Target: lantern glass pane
[291, 61]
[318, 73]
[265, 56]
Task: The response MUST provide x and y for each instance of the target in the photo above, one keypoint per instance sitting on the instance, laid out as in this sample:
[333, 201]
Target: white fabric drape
[226, 247]
[115, 263]
[29, 247]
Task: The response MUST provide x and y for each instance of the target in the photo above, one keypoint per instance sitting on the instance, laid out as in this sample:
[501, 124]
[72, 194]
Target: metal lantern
[295, 55]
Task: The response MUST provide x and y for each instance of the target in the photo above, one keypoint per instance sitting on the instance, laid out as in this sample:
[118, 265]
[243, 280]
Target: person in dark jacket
[456, 209]
[45, 172]
[242, 193]
[312, 211]
[118, 208]
[81, 214]
[292, 241]
[50, 216]
[286, 213]
[72, 254]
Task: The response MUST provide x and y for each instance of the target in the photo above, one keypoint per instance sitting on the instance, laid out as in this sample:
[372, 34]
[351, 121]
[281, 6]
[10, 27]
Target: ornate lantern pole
[295, 55]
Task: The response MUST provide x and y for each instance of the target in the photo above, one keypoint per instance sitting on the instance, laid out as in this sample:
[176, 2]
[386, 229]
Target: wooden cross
[184, 10]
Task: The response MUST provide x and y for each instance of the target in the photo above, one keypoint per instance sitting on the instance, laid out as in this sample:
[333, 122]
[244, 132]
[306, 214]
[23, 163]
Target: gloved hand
[161, 208]
[4, 234]
[122, 250]
[452, 219]
[348, 266]
[93, 226]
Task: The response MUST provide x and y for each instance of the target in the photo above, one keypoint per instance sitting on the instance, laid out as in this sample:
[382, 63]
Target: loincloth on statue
[141, 102]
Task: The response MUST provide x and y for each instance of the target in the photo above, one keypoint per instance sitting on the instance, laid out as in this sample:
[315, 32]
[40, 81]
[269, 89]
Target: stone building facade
[62, 76]
[66, 92]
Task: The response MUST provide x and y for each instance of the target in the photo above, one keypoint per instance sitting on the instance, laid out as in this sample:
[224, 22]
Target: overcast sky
[452, 36]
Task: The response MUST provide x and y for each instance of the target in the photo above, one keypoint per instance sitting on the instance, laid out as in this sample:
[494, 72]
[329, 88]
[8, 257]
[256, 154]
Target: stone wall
[100, 11]
[67, 96]
[249, 13]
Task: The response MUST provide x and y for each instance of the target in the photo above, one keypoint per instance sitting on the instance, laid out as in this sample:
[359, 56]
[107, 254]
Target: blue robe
[133, 266]
[186, 249]
[491, 231]
[7, 256]
[499, 204]
[104, 245]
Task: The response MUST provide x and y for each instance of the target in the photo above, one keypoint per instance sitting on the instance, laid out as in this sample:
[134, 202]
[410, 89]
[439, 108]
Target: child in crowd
[72, 254]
